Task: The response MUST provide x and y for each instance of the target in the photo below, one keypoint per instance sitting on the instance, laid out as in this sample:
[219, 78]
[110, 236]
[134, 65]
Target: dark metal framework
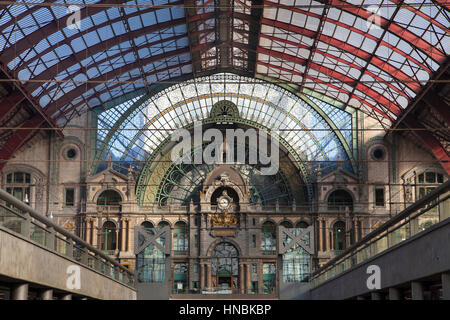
[376, 59]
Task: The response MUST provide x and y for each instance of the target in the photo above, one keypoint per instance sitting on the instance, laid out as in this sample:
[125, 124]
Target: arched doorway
[340, 199]
[225, 267]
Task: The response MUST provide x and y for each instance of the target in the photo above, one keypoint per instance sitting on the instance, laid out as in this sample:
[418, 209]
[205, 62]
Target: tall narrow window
[339, 235]
[69, 199]
[108, 236]
[180, 240]
[269, 278]
[268, 243]
[379, 197]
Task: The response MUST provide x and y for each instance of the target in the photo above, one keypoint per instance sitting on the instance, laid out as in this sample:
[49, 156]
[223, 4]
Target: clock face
[223, 203]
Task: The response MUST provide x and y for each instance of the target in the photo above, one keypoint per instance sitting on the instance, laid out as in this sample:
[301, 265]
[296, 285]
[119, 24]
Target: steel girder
[65, 99]
[35, 37]
[393, 107]
[69, 39]
[137, 78]
[20, 136]
[432, 99]
[372, 56]
[101, 46]
[374, 108]
[431, 142]
[382, 65]
[394, 28]
[98, 63]
[9, 103]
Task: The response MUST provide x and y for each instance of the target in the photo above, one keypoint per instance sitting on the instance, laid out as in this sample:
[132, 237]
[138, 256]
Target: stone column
[247, 266]
[241, 278]
[88, 231]
[319, 235]
[445, 277]
[395, 294]
[19, 291]
[202, 276]
[416, 290]
[123, 234]
[46, 294]
[327, 237]
[208, 276]
[94, 234]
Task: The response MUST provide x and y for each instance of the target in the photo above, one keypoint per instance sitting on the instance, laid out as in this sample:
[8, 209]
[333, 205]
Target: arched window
[339, 200]
[111, 200]
[161, 225]
[286, 224]
[224, 267]
[339, 235]
[180, 238]
[301, 225]
[268, 237]
[148, 227]
[108, 236]
[18, 184]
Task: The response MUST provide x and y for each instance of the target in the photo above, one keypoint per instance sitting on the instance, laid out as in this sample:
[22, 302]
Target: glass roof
[371, 55]
[318, 133]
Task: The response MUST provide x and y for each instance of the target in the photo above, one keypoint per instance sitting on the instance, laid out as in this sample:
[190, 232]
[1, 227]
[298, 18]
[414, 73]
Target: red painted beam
[71, 60]
[432, 143]
[331, 56]
[394, 28]
[109, 76]
[54, 26]
[393, 107]
[137, 78]
[9, 103]
[77, 35]
[444, 3]
[434, 101]
[20, 136]
[356, 30]
[98, 63]
[340, 89]
[381, 64]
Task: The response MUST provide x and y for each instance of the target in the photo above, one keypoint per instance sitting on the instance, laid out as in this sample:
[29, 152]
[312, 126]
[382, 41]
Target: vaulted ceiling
[374, 56]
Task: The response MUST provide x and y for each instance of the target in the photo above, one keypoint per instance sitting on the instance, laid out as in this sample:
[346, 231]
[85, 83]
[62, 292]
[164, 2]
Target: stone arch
[213, 245]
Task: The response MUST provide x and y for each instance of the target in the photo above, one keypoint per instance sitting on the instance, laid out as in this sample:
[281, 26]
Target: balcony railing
[431, 209]
[20, 218]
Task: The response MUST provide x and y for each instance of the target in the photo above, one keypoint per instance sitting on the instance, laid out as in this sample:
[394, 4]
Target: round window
[378, 153]
[71, 153]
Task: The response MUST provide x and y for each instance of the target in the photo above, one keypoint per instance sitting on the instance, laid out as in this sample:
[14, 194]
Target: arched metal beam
[431, 142]
[382, 113]
[53, 71]
[394, 28]
[393, 107]
[65, 99]
[329, 55]
[382, 65]
[9, 103]
[54, 26]
[137, 78]
[34, 85]
[19, 137]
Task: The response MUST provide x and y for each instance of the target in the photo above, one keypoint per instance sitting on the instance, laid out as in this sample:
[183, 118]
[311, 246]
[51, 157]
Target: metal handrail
[391, 222]
[49, 223]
